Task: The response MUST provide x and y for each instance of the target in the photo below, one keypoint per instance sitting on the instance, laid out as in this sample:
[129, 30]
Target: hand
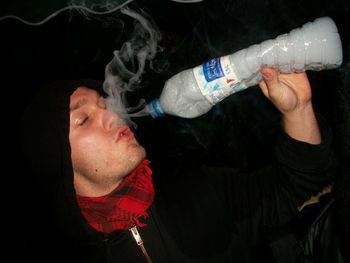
[289, 92]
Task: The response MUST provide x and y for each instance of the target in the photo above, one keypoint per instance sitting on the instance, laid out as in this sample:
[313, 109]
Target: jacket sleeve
[307, 167]
[217, 203]
[270, 196]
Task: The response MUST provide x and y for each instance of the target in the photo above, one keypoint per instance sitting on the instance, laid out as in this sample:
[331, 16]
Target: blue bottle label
[216, 79]
[212, 70]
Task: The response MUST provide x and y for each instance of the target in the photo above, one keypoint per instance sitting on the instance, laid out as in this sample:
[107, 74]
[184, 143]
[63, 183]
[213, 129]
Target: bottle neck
[155, 110]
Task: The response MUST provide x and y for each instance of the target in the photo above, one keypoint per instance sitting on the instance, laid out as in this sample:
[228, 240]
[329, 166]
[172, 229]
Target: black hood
[45, 142]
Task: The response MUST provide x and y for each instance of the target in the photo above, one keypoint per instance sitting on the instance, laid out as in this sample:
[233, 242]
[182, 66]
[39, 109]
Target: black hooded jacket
[200, 214]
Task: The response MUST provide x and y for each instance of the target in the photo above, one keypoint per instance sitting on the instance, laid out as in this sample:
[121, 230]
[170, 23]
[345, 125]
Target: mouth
[124, 134]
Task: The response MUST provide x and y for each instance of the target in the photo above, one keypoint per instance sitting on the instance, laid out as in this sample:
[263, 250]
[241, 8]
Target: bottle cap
[155, 109]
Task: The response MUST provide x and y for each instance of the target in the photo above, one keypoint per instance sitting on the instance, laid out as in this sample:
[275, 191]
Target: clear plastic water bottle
[193, 92]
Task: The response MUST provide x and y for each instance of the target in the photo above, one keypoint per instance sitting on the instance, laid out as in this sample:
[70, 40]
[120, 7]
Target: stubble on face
[98, 164]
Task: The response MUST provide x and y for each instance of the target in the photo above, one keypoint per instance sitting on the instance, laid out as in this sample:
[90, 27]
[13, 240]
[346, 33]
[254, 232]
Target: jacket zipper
[139, 242]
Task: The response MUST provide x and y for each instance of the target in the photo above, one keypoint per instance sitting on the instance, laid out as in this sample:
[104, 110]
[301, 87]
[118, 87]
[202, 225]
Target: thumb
[272, 85]
[270, 77]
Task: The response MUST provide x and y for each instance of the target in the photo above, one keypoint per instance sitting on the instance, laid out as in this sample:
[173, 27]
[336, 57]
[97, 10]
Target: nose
[111, 120]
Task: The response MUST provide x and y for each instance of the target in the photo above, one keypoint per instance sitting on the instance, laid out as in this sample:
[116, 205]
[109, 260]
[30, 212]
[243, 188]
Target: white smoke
[123, 73]
[84, 7]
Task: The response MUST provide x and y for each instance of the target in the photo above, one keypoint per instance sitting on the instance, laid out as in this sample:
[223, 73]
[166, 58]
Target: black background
[240, 131]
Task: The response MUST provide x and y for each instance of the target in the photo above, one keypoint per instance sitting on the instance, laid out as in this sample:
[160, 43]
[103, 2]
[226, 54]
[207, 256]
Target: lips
[124, 134]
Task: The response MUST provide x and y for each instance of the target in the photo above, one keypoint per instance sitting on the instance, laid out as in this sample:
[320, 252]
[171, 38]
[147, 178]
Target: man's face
[103, 148]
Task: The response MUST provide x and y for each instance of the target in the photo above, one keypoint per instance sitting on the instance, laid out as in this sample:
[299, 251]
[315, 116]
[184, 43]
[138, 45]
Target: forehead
[81, 96]
[83, 91]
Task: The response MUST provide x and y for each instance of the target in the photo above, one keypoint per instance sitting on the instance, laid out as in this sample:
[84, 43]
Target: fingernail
[267, 75]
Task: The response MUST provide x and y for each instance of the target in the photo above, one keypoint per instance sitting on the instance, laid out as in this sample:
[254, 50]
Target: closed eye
[81, 121]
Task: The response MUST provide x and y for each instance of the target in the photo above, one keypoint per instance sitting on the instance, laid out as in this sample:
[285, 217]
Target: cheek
[92, 160]
[95, 153]
[98, 151]
[87, 149]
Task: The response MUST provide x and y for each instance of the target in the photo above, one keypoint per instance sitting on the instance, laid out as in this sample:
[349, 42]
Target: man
[109, 207]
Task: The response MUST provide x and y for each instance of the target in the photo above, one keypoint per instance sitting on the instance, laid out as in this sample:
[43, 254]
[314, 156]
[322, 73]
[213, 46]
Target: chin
[138, 155]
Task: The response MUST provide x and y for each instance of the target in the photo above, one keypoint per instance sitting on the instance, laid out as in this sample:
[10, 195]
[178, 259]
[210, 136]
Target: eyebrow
[79, 103]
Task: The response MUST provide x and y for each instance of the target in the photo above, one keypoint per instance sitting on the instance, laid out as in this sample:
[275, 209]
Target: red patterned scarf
[122, 208]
